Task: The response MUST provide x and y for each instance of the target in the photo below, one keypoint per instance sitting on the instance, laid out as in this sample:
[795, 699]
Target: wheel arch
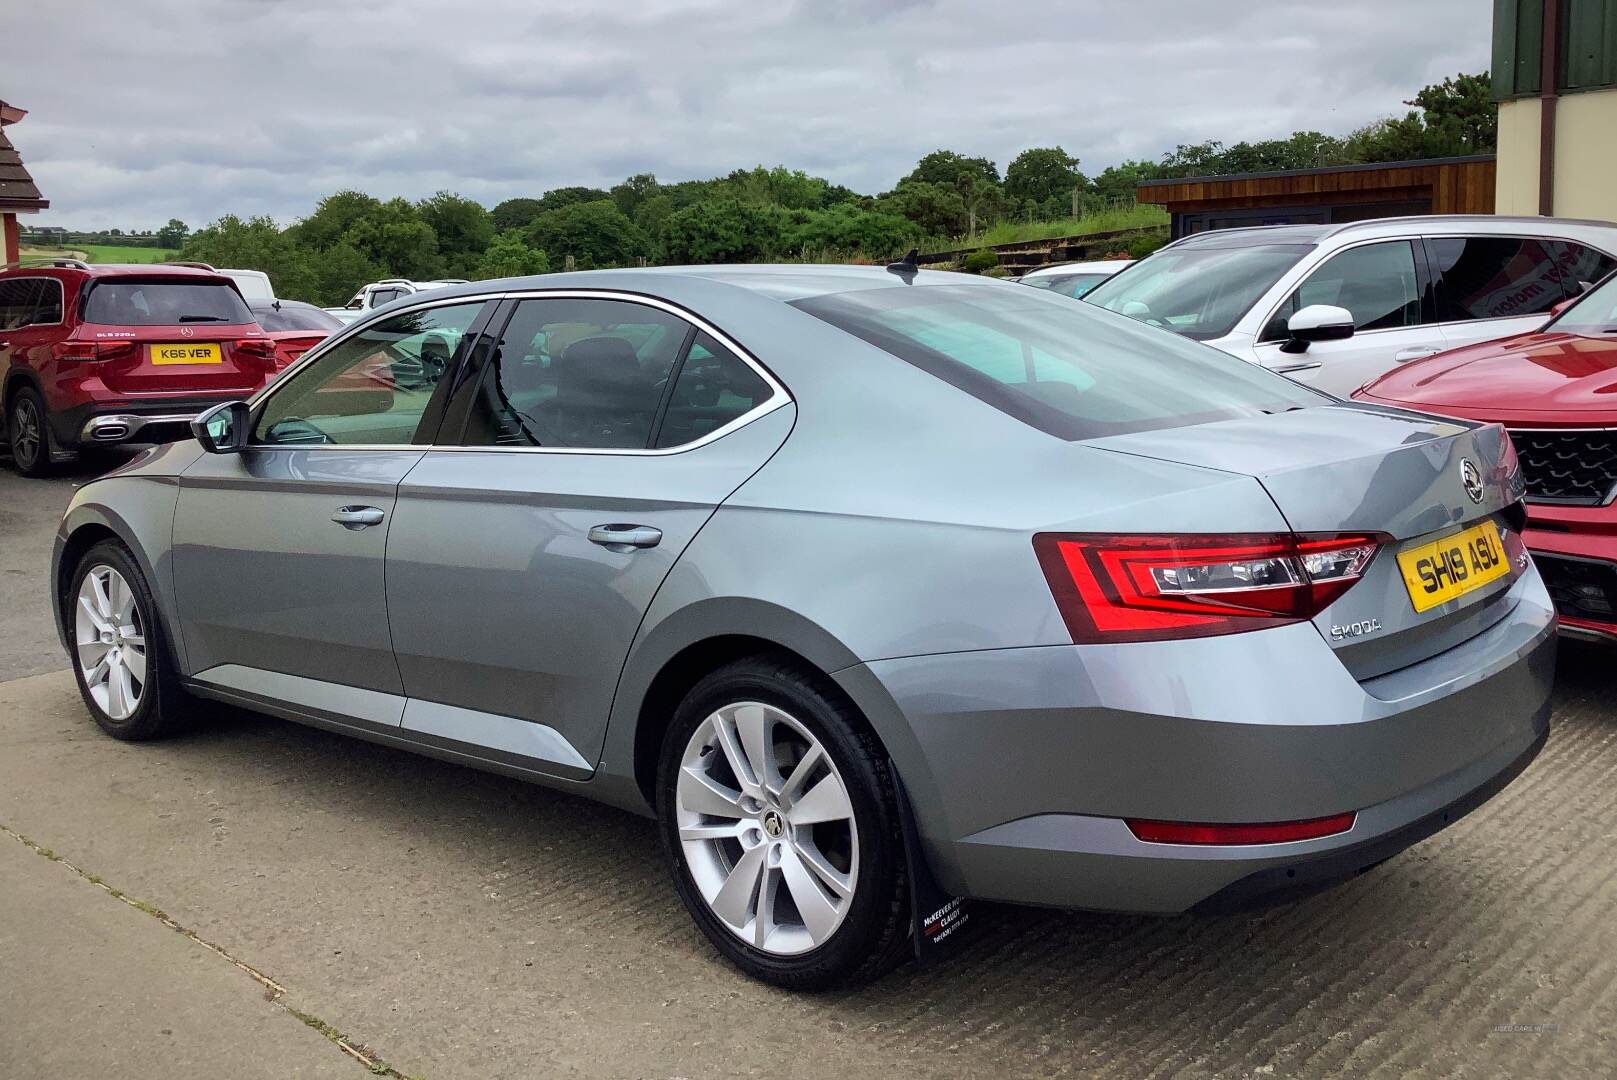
[87, 524]
[18, 376]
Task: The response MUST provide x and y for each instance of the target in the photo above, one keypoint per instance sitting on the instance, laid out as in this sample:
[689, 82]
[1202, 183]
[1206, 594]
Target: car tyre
[122, 662]
[28, 432]
[795, 871]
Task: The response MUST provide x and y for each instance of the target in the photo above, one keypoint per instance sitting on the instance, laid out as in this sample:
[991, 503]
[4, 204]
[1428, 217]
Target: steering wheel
[293, 430]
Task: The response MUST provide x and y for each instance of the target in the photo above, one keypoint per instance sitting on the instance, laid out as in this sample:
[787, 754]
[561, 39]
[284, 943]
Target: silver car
[869, 586]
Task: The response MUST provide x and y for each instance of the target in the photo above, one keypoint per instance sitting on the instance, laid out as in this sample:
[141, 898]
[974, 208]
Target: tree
[633, 192]
[793, 189]
[556, 198]
[173, 234]
[981, 199]
[333, 216]
[255, 244]
[937, 208]
[1457, 116]
[847, 229]
[339, 271]
[946, 167]
[463, 228]
[1043, 174]
[394, 236]
[595, 234]
[724, 231]
[515, 214]
[508, 256]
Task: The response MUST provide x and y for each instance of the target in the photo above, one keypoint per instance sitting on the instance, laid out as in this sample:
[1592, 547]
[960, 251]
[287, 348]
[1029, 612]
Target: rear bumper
[1038, 755]
[100, 424]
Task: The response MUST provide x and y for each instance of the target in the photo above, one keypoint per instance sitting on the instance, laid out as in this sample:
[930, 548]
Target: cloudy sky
[142, 111]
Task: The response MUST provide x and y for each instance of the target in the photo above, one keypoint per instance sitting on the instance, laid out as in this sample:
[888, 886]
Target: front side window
[1199, 292]
[577, 373]
[373, 387]
[1375, 282]
[1493, 277]
[1066, 369]
[165, 303]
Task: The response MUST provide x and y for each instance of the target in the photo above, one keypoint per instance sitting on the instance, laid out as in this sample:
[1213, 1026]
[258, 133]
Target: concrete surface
[466, 925]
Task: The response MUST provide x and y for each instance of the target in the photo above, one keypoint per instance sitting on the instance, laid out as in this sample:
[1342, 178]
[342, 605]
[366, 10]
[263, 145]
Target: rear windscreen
[164, 303]
[1071, 370]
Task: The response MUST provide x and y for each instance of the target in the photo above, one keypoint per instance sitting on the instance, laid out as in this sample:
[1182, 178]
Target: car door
[1490, 287]
[278, 550]
[595, 440]
[1381, 283]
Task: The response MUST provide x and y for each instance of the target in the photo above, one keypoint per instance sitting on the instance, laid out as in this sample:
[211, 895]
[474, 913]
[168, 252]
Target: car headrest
[596, 365]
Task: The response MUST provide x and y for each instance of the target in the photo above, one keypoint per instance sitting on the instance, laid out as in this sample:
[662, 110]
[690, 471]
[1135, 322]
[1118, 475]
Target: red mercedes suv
[1555, 389]
[100, 355]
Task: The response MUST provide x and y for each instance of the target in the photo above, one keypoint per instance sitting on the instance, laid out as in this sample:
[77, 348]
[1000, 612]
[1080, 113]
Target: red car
[294, 326]
[1556, 391]
[101, 355]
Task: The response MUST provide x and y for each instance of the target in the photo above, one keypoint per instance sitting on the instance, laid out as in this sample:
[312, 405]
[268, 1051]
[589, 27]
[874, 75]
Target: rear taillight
[92, 350]
[1133, 587]
[260, 348]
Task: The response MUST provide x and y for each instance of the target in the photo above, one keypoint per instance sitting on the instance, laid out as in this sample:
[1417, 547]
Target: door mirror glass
[223, 428]
[1317, 322]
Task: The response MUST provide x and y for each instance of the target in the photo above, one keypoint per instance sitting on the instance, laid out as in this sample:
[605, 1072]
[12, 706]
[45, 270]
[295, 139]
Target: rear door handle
[1414, 354]
[625, 537]
[355, 518]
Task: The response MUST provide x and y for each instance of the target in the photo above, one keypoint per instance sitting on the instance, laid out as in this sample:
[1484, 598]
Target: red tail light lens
[93, 350]
[259, 348]
[1272, 832]
[1149, 588]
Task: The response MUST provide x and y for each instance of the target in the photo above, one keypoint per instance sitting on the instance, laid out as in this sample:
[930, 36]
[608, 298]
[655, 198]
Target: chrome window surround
[61, 300]
[778, 394]
[1413, 239]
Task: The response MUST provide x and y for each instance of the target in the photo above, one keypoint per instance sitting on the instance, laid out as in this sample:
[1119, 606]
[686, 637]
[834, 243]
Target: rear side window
[1067, 369]
[1493, 277]
[164, 303]
[577, 373]
[1580, 266]
[714, 387]
[1375, 282]
[29, 301]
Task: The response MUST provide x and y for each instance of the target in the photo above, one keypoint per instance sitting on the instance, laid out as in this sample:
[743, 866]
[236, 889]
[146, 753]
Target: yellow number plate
[1453, 566]
[185, 354]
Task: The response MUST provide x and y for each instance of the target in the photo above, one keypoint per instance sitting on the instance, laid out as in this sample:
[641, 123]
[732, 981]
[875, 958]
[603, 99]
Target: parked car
[1553, 390]
[852, 579]
[103, 355]
[386, 291]
[253, 284]
[1336, 305]
[1073, 279]
[294, 326]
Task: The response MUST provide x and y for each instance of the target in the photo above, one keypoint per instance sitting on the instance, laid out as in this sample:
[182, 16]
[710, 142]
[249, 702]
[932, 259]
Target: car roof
[1396, 227]
[273, 302]
[113, 270]
[786, 282]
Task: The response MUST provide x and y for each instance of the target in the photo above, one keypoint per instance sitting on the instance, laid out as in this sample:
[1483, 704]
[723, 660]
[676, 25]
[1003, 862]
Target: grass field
[102, 253]
[1142, 216]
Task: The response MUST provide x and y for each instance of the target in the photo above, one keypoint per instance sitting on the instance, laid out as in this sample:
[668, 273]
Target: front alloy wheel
[110, 642]
[767, 829]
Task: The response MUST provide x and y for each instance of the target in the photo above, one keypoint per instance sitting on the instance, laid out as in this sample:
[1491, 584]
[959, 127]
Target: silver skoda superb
[867, 586]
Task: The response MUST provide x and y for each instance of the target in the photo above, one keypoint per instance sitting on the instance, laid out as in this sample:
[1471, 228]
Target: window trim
[1423, 282]
[778, 397]
[61, 300]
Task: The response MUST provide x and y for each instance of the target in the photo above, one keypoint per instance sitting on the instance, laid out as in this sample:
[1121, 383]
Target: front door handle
[625, 537]
[1287, 369]
[354, 518]
[1414, 354]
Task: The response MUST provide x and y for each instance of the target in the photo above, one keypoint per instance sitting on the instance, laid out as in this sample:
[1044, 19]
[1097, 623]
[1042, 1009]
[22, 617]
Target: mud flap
[938, 920]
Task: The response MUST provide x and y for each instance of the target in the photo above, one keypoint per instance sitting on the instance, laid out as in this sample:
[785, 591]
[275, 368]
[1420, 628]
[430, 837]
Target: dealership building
[18, 195]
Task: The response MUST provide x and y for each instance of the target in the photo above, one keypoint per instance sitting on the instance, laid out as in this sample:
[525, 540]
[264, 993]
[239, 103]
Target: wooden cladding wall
[1454, 187]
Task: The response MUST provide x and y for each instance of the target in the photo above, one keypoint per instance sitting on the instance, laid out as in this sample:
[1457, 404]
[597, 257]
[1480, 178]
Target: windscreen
[1073, 285]
[164, 303]
[1593, 315]
[1200, 292]
[1064, 368]
[276, 318]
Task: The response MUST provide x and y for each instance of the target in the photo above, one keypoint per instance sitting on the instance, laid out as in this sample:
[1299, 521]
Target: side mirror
[223, 428]
[1317, 322]
[1560, 306]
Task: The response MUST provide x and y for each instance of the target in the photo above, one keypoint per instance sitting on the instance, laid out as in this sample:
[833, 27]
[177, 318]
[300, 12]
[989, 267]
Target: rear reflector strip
[1274, 832]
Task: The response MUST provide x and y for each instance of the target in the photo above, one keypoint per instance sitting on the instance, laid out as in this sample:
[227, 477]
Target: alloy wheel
[110, 642]
[25, 435]
[767, 828]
